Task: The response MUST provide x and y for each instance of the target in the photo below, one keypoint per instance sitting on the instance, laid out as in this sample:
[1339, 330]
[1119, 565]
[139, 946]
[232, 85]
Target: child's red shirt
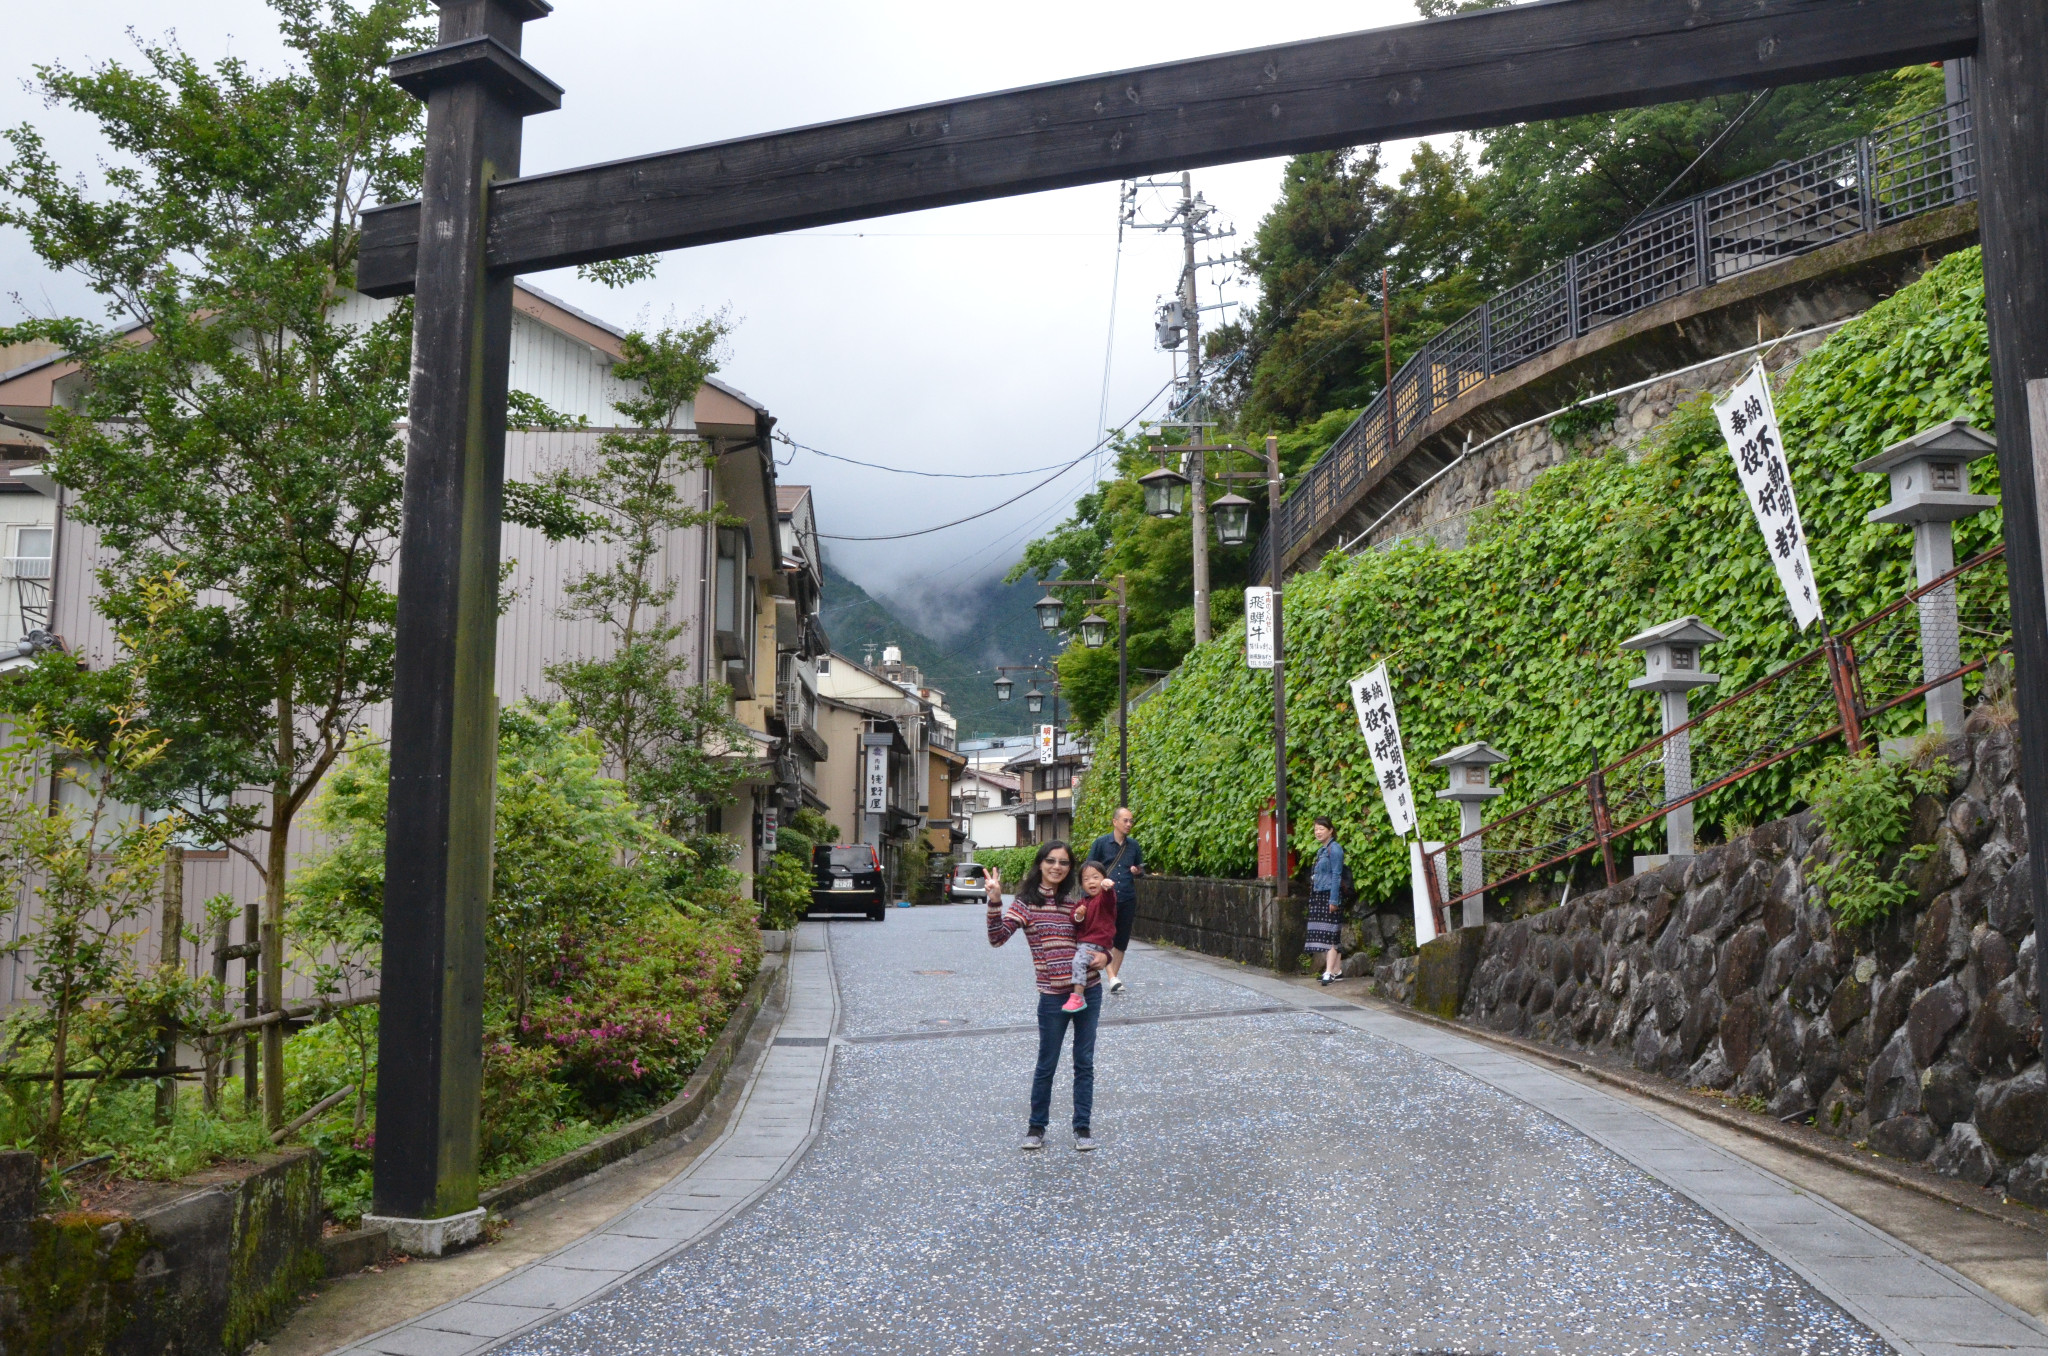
[1099, 926]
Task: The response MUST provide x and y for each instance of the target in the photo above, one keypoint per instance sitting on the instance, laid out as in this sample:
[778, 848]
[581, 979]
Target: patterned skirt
[1323, 924]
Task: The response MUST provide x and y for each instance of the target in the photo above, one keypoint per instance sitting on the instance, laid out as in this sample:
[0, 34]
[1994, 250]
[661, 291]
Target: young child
[1094, 929]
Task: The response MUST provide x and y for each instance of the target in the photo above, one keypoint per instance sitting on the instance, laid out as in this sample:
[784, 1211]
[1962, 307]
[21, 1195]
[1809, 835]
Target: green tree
[670, 741]
[238, 421]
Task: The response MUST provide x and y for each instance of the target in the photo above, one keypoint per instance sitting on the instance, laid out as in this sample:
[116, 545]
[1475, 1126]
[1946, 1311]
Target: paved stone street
[1279, 1173]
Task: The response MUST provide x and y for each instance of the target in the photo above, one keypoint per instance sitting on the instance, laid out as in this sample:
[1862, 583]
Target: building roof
[787, 497]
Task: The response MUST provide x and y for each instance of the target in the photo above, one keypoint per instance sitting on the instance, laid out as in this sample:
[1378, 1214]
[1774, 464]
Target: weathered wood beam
[1471, 71]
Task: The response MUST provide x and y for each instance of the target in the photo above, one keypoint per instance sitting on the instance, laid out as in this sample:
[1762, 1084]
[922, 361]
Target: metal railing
[1896, 172]
[1855, 684]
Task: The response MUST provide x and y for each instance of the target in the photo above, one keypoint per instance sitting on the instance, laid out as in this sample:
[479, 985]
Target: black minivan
[848, 879]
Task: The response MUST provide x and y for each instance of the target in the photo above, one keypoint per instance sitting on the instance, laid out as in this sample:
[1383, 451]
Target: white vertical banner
[1372, 696]
[770, 821]
[1750, 424]
[1048, 743]
[878, 779]
[1258, 628]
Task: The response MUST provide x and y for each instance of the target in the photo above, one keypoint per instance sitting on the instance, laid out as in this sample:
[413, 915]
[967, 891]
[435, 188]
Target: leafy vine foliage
[1514, 639]
[1864, 805]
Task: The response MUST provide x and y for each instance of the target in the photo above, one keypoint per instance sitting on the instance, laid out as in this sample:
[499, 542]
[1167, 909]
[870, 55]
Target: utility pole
[1191, 218]
[1189, 223]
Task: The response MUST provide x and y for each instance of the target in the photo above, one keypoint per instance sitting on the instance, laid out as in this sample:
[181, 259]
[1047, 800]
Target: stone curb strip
[779, 1115]
[1913, 1302]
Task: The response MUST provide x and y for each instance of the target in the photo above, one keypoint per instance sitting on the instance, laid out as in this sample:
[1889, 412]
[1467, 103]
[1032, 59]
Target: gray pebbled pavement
[1268, 1183]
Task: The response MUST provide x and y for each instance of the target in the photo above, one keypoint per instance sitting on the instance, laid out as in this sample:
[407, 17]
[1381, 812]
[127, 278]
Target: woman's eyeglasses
[1059, 861]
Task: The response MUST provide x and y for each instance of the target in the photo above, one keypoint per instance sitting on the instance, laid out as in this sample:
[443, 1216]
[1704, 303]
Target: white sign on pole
[1372, 696]
[1258, 628]
[878, 779]
[770, 821]
[1418, 882]
[1750, 424]
[1047, 743]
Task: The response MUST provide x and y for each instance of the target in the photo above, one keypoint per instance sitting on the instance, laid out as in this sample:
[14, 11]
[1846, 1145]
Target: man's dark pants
[1052, 1032]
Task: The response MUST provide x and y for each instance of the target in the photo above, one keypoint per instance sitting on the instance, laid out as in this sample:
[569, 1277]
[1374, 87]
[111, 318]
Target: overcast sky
[964, 339]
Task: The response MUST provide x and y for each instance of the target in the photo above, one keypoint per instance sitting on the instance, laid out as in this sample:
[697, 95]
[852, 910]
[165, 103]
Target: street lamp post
[1094, 634]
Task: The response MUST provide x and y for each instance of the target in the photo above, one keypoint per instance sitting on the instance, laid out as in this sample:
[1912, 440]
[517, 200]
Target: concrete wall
[1921, 1036]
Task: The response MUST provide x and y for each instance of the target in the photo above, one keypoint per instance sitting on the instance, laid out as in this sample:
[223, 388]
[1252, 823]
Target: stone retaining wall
[1920, 1036]
[1231, 919]
[205, 1266]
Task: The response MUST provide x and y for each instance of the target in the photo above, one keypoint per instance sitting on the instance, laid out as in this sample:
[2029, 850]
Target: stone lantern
[1471, 788]
[1672, 667]
[1930, 479]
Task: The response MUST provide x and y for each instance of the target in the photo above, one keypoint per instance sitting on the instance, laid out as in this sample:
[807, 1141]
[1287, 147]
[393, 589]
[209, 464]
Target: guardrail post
[1702, 244]
[1603, 827]
[1842, 676]
[1486, 337]
[1571, 295]
[1866, 182]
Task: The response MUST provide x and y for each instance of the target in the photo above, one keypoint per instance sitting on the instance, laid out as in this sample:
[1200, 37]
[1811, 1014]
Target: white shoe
[1116, 985]
[1032, 1142]
[1083, 1143]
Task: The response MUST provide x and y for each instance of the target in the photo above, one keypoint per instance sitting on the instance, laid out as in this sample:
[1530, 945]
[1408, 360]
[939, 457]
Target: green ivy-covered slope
[1514, 639]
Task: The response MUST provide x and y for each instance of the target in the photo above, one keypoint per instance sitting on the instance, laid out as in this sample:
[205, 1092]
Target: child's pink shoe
[1074, 1003]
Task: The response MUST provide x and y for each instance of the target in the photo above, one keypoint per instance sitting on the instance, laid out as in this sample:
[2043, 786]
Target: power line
[927, 531]
[906, 471]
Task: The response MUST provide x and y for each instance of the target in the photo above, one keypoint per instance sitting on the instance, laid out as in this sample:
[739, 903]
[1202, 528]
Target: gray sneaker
[1032, 1142]
[1083, 1141]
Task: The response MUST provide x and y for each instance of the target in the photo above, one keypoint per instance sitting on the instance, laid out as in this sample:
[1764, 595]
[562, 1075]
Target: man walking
[1122, 860]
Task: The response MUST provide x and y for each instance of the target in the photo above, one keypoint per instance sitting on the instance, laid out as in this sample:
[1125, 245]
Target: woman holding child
[1069, 929]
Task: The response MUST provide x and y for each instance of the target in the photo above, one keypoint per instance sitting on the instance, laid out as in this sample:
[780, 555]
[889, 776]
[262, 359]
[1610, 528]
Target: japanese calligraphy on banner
[1373, 698]
[1048, 745]
[1750, 425]
[1258, 628]
[878, 779]
[770, 822]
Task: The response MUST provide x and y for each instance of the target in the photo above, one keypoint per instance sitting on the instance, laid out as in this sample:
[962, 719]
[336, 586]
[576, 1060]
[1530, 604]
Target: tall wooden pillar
[437, 862]
[2010, 94]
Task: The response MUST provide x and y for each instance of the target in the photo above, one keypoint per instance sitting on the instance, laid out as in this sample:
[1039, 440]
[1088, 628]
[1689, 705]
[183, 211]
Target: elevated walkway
[1800, 246]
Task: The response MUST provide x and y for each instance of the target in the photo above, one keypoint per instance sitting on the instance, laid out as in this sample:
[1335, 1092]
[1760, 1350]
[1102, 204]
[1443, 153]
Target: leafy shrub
[1582, 422]
[1515, 638]
[785, 884]
[521, 1099]
[1864, 805]
[1012, 862]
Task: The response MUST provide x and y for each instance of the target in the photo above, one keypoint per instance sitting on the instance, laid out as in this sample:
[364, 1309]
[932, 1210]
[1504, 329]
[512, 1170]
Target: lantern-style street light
[1094, 631]
[1034, 701]
[1003, 688]
[1166, 492]
[1233, 519]
[1049, 608]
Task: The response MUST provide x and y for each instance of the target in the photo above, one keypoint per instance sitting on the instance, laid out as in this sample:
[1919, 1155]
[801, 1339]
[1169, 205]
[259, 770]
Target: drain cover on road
[933, 972]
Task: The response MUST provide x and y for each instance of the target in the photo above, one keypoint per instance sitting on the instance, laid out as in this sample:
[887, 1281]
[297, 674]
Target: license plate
[842, 885]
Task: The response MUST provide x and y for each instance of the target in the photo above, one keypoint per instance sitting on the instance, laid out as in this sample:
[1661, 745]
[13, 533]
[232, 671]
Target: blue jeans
[1052, 1033]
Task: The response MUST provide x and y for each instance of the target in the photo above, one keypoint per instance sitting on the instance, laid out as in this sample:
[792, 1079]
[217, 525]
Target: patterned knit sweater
[1049, 929]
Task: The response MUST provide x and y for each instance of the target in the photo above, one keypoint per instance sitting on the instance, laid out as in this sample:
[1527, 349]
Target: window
[1682, 657]
[1948, 475]
[33, 542]
[725, 586]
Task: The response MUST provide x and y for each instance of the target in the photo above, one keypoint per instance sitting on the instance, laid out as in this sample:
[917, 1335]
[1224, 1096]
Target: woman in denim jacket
[1326, 900]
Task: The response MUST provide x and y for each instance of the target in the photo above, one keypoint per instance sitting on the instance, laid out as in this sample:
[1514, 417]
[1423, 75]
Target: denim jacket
[1327, 875]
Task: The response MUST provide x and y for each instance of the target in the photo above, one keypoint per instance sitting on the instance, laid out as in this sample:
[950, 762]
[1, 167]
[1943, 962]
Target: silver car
[968, 884]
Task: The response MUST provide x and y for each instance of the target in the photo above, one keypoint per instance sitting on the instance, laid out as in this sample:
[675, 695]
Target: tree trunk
[273, 921]
[170, 953]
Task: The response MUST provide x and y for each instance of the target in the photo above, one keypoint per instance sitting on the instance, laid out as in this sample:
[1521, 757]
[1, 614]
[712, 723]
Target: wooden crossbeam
[1526, 62]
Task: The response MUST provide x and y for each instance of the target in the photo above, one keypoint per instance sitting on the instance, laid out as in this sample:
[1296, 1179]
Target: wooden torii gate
[479, 224]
